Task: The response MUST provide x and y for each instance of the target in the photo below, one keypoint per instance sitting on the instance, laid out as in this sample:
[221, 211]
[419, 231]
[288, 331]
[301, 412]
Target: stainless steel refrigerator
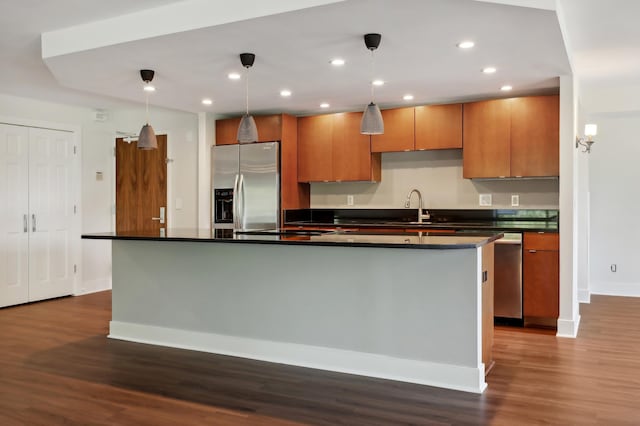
[246, 186]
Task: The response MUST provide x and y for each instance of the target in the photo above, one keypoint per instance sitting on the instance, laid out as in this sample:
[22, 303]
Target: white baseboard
[448, 376]
[568, 328]
[615, 289]
[93, 286]
[584, 296]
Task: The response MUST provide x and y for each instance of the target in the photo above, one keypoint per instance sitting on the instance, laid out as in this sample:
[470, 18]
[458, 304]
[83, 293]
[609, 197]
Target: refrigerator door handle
[234, 207]
[241, 202]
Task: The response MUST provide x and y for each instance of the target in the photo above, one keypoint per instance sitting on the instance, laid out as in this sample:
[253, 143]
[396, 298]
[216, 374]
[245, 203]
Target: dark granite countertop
[414, 240]
[485, 220]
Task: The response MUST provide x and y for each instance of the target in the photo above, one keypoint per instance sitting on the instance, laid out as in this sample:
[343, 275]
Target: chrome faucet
[407, 205]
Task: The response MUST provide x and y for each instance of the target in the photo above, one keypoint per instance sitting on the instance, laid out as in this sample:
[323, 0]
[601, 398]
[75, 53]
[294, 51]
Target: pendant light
[147, 138]
[372, 123]
[247, 130]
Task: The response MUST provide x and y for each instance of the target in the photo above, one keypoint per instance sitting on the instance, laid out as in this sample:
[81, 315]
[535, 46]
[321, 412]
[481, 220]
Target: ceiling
[418, 53]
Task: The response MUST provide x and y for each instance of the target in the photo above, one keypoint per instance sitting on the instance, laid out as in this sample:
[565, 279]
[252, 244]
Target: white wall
[97, 156]
[615, 202]
[438, 175]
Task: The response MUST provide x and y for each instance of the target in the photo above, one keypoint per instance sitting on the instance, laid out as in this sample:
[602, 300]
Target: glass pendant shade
[372, 123]
[247, 130]
[147, 139]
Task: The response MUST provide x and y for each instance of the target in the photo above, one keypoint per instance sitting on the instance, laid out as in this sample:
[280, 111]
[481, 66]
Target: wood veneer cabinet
[399, 131]
[516, 137]
[541, 275]
[269, 129]
[331, 149]
[438, 127]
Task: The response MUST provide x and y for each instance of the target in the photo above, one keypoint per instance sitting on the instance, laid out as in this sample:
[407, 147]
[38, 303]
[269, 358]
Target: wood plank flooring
[58, 367]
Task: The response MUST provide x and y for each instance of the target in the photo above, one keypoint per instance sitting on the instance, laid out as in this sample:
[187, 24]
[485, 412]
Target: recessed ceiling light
[408, 97]
[489, 70]
[149, 88]
[207, 101]
[234, 76]
[285, 93]
[337, 62]
[324, 105]
[506, 88]
[467, 44]
[378, 82]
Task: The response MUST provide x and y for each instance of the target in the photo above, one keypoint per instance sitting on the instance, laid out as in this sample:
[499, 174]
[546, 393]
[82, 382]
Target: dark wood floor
[57, 367]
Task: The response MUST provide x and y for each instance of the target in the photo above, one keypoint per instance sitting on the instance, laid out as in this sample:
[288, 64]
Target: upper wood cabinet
[487, 139]
[399, 131]
[535, 130]
[331, 149]
[438, 127]
[269, 129]
[517, 137]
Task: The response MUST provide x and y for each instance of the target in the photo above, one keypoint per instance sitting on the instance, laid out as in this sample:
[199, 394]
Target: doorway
[141, 187]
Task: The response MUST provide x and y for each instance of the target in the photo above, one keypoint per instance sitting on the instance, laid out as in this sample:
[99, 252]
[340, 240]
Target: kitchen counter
[356, 303]
[414, 240]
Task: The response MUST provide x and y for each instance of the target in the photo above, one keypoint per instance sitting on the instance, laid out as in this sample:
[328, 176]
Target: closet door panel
[14, 235]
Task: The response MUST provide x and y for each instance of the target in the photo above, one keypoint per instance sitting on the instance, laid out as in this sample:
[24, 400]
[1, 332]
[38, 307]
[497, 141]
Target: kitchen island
[412, 307]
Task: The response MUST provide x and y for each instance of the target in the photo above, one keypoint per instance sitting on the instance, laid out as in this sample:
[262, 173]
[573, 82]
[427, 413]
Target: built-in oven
[508, 279]
[223, 207]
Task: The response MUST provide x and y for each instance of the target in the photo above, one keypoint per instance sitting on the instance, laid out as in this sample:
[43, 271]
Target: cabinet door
[227, 131]
[14, 219]
[399, 131]
[315, 151]
[540, 281]
[486, 139]
[535, 135]
[351, 149]
[438, 126]
[269, 127]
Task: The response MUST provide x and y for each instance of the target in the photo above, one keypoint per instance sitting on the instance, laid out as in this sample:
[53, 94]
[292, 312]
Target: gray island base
[408, 314]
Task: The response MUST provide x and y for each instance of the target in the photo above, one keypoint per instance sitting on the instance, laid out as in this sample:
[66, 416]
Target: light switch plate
[515, 200]
[178, 203]
[485, 200]
[349, 200]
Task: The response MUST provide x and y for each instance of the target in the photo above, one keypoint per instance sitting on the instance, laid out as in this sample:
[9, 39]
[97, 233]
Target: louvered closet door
[50, 214]
[14, 232]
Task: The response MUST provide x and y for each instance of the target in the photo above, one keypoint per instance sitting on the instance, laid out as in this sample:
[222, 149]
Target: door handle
[25, 222]
[161, 218]
[33, 222]
[234, 203]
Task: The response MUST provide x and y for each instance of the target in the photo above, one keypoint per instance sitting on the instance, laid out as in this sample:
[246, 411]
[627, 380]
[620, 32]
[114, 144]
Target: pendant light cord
[247, 87]
[373, 73]
[147, 103]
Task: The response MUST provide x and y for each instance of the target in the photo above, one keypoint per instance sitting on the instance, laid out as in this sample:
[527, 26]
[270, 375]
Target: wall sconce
[590, 130]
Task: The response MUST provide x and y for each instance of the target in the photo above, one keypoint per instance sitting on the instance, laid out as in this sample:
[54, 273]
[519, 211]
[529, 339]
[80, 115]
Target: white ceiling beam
[173, 18]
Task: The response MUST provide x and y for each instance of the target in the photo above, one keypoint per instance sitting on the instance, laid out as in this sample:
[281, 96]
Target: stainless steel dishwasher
[508, 279]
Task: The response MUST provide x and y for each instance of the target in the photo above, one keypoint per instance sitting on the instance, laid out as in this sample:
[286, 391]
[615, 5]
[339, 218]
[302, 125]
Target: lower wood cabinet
[541, 275]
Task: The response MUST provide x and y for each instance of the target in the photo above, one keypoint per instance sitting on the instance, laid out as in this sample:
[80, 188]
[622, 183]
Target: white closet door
[14, 232]
[51, 214]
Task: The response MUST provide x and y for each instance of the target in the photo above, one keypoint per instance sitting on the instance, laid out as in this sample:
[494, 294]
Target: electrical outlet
[515, 200]
[614, 267]
[349, 200]
[485, 200]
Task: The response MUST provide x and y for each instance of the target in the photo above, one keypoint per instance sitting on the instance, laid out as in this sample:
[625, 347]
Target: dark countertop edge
[487, 240]
[553, 229]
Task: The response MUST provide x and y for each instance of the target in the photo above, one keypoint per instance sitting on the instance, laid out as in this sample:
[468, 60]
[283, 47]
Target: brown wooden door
[351, 149]
[535, 136]
[315, 148]
[141, 186]
[399, 131]
[487, 139]
[438, 126]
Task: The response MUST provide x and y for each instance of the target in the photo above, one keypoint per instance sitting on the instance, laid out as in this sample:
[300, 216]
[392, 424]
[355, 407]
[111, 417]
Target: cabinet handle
[25, 222]
[33, 222]
[533, 251]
